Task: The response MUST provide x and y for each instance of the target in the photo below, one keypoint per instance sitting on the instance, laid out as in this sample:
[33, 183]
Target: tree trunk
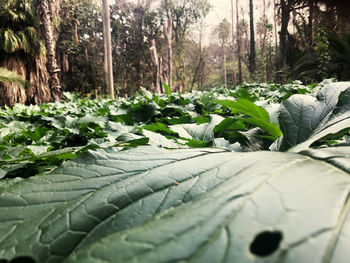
[264, 44]
[47, 10]
[240, 80]
[198, 71]
[168, 32]
[156, 68]
[252, 54]
[275, 24]
[285, 10]
[201, 80]
[76, 35]
[108, 67]
[225, 70]
[311, 27]
[38, 91]
[233, 41]
[65, 62]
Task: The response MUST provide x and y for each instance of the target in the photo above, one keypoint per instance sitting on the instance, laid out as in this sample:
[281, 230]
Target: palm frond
[34, 45]
[16, 13]
[340, 44]
[25, 44]
[13, 15]
[12, 42]
[307, 65]
[12, 77]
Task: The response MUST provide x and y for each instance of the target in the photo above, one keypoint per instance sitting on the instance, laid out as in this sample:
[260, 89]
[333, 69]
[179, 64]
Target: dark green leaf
[153, 205]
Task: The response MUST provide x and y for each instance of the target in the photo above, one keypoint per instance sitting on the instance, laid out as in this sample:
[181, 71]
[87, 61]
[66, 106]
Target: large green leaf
[202, 132]
[208, 205]
[337, 124]
[303, 116]
[259, 117]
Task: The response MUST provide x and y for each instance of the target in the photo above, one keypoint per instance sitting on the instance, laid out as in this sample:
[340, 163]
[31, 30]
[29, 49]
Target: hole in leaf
[22, 259]
[266, 243]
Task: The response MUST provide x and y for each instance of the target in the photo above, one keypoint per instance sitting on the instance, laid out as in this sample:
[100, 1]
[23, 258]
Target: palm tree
[252, 53]
[22, 51]
[223, 32]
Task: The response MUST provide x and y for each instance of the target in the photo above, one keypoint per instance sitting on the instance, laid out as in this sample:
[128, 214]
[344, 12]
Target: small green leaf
[259, 117]
[246, 107]
[167, 89]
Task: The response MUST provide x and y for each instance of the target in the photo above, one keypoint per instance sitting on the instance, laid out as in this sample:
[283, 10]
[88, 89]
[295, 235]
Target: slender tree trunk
[225, 70]
[252, 54]
[168, 32]
[197, 73]
[76, 35]
[65, 62]
[263, 44]
[107, 66]
[47, 10]
[139, 14]
[233, 41]
[201, 80]
[200, 77]
[311, 26]
[285, 10]
[39, 91]
[275, 25]
[238, 34]
[156, 68]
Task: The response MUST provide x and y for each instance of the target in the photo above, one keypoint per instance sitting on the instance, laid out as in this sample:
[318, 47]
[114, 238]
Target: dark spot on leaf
[4, 261]
[266, 243]
[23, 259]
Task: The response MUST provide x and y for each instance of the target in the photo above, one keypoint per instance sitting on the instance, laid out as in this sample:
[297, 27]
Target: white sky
[222, 9]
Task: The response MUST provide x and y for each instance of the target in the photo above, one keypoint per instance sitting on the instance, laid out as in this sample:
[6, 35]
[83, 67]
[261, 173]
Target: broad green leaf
[28, 163]
[87, 119]
[160, 140]
[246, 107]
[336, 125]
[209, 205]
[222, 143]
[223, 224]
[159, 127]
[193, 143]
[271, 128]
[299, 116]
[306, 119]
[136, 142]
[344, 102]
[259, 117]
[144, 112]
[229, 129]
[200, 132]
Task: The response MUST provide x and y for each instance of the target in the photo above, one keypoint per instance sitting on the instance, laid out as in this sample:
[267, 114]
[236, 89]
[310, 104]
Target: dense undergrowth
[130, 180]
[35, 139]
